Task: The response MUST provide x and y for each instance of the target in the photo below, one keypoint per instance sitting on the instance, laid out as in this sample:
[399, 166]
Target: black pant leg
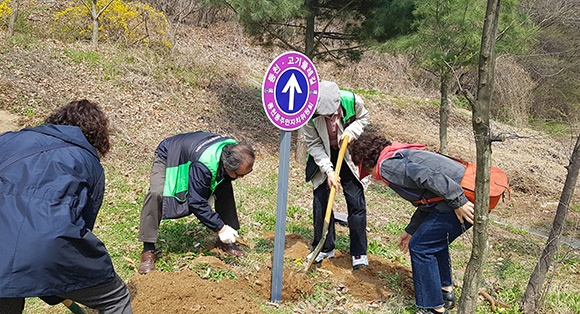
[225, 204]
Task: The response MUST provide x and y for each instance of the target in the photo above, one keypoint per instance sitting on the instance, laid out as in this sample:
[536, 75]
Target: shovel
[330, 203]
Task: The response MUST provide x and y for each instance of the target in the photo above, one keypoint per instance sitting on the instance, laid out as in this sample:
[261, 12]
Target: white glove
[228, 235]
[350, 136]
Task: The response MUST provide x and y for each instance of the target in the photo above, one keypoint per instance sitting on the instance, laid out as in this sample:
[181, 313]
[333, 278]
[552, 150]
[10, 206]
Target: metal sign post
[281, 206]
[289, 95]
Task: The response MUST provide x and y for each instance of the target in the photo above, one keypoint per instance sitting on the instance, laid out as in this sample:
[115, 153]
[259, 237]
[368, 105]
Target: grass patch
[266, 219]
[205, 271]
[554, 128]
[518, 230]
[560, 302]
[393, 280]
[77, 56]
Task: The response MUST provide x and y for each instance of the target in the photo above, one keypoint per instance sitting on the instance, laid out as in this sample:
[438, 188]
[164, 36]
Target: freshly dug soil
[189, 292]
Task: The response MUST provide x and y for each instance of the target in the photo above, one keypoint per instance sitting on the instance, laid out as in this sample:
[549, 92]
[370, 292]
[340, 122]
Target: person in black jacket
[188, 170]
[51, 189]
[416, 174]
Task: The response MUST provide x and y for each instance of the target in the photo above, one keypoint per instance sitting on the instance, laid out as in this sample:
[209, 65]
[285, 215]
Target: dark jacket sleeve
[199, 194]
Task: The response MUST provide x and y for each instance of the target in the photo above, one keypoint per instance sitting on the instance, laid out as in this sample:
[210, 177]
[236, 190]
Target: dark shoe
[449, 299]
[429, 311]
[232, 248]
[147, 262]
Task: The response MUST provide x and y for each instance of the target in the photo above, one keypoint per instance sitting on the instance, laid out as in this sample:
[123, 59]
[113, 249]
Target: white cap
[328, 99]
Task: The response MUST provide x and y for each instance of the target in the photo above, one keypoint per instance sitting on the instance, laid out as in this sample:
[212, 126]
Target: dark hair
[89, 118]
[233, 155]
[367, 148]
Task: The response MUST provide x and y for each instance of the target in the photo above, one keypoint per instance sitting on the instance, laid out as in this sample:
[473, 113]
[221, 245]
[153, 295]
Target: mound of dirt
[191, 291]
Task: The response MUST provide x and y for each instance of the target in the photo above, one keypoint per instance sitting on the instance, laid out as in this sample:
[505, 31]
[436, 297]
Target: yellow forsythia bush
[130, 23]
[5, 12]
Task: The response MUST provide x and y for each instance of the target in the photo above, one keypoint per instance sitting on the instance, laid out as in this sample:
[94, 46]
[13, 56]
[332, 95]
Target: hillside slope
[151, 97]
[212, 82]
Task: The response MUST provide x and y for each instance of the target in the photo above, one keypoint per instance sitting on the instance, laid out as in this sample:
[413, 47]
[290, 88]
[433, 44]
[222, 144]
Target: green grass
[205, 271]
[265, 218]
[517, 230]
[555, 128]
[76, 56]
[560, 301]
[393, 281]
[21, 39]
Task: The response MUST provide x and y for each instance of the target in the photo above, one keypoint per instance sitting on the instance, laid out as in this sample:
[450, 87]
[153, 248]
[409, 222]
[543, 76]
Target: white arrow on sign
[292, 86]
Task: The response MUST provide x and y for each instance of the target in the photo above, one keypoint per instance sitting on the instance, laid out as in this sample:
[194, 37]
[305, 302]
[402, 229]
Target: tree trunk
[480, 120]
[309, 33]
[443, 112]
[13, 17]
[531, 301]
[95, 17]
[301, 149]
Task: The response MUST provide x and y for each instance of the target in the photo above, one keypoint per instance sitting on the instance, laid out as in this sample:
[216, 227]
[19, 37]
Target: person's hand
[404, 239]
[350, 136]
[228, 234]
[333, 180]
[465, 213]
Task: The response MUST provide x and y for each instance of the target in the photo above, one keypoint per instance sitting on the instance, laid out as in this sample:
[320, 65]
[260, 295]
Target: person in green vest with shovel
[189, 171]
[339, 114]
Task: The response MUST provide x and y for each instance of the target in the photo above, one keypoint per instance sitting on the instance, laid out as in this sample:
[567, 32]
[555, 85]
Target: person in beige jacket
[337, 114]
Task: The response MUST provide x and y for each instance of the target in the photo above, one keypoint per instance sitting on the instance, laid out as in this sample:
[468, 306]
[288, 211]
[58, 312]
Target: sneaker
[320, 257]
[359, 261]
[449, 299]
[430, 311]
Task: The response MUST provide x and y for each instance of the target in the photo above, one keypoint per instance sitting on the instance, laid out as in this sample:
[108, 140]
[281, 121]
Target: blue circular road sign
[290, 90]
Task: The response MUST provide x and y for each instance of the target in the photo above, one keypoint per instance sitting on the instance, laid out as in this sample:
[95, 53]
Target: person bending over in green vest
[188, 170]
[337, 114]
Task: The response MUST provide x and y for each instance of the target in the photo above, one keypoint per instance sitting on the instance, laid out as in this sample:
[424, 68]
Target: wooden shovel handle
[341, 153]
[318, 247]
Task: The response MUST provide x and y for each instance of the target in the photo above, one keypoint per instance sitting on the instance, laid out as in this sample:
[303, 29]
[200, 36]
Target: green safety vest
[347, 101]
[177, 177]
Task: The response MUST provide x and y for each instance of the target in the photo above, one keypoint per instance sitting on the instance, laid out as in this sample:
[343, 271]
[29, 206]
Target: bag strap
[428, 201]
[420, 201]
[29, 152]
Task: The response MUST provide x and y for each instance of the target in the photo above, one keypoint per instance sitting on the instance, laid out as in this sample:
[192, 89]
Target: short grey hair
[234, 155]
